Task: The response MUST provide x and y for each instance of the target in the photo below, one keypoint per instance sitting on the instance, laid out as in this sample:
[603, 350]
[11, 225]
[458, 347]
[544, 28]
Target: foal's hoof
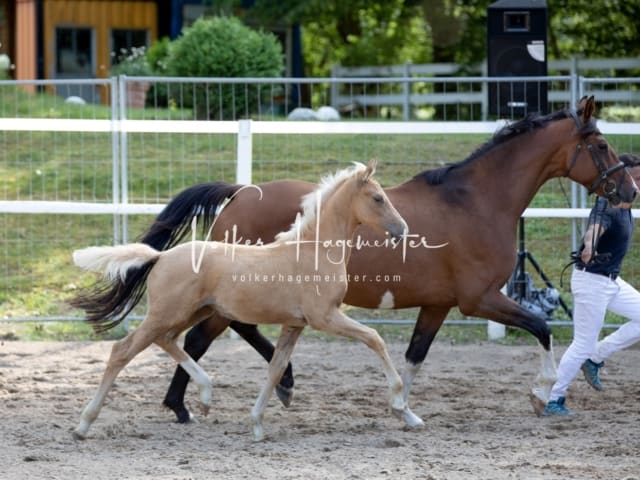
[78, 436]
[204, 409]
[258, 433]
[411, 419]
[285, 395]
[397, 412]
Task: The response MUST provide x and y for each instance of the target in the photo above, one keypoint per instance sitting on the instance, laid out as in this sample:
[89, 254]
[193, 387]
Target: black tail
[107, 303]
[174, 222]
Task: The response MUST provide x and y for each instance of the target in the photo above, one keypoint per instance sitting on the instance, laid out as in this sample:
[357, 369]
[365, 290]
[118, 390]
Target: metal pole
[115, 157]
[124, 159]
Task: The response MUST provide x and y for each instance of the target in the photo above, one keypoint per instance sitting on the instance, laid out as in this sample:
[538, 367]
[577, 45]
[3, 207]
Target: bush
[224, 47]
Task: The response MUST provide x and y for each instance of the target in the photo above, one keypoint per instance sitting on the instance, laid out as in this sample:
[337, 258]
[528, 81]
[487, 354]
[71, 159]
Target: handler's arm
[591, 236]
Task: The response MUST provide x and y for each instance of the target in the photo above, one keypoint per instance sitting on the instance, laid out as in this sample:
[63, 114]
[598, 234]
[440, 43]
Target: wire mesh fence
[102, 160]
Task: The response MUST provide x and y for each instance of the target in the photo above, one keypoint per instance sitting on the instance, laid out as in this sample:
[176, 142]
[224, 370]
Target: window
[74, 47]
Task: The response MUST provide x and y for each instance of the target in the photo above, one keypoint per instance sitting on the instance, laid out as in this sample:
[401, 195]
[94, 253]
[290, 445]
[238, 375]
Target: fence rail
[413, 74]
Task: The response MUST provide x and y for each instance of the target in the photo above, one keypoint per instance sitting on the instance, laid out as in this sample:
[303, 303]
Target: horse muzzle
[620, 197]
[398, 230]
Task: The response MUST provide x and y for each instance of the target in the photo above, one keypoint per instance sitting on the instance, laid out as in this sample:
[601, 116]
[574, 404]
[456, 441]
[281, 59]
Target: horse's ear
[370, 170]
[589, 108]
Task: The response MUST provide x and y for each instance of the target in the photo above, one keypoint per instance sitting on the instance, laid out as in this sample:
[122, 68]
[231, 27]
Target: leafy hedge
[224, 47]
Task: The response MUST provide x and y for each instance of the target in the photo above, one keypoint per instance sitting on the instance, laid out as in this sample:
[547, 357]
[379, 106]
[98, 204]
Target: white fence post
[243, 167]
[495, 330]
[245, 152]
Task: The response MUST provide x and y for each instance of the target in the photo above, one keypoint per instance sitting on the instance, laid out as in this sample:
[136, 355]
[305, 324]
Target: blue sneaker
[556, 408]
[590, 370]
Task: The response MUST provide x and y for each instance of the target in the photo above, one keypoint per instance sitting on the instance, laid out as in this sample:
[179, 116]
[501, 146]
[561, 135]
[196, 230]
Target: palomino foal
[298, 280]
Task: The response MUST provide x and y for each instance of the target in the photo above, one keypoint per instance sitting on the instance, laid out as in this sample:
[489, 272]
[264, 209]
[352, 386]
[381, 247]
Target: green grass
[36, 274]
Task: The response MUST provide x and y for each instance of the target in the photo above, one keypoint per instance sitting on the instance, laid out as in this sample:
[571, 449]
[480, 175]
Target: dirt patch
[473, 398]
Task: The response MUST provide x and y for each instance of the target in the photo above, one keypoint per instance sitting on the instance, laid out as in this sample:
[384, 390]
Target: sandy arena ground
[473, 398]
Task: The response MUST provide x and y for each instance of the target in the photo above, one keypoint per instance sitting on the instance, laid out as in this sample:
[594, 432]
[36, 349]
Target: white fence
[123, 137]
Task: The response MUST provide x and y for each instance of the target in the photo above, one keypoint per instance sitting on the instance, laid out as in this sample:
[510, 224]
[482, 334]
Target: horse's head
[595, 162]
[632, 164]
[372, 207]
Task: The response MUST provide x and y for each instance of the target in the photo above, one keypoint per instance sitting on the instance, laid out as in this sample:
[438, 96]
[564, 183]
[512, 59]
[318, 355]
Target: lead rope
[595, 257]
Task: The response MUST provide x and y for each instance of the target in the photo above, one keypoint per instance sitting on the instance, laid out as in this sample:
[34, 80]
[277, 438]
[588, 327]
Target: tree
[382, 32]
[608, 28]
[357, 32]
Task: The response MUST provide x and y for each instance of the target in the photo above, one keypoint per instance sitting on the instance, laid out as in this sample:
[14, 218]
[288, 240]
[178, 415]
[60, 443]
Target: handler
[597, 287]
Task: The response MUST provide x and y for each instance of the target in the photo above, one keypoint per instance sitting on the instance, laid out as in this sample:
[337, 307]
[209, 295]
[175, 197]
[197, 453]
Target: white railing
[245, 129]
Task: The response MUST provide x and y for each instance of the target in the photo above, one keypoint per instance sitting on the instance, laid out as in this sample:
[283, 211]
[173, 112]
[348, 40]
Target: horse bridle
[609, 188]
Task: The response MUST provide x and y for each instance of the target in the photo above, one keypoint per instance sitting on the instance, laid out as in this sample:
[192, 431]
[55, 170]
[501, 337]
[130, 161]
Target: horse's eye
[378, 198]
[603, 147]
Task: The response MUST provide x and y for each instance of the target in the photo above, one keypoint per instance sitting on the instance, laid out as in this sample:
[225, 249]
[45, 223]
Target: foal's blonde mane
[328, 184]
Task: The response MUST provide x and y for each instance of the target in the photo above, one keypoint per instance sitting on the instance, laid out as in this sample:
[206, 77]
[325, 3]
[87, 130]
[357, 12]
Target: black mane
[529, 123]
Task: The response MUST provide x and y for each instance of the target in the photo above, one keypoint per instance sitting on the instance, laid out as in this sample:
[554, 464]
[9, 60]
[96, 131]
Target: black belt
[612, 276]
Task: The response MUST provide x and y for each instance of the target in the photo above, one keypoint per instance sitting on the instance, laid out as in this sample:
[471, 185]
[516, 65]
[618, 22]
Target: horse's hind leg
[122, 353]
[338, 323]
[196, 343]
[251, 334]
[194, 370]
[284, 347]
[429, 322]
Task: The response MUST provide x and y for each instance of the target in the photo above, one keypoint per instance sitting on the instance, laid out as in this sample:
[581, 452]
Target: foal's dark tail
[126, 268]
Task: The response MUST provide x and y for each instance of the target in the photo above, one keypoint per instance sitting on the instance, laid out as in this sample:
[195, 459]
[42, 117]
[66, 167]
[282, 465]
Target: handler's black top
[612, 246]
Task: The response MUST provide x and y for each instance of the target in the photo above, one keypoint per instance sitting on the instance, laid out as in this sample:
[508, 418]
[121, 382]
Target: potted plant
[134, 63]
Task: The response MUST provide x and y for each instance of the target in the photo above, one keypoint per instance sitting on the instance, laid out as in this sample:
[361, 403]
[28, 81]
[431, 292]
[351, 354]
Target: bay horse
[473, 205]
[298, 280]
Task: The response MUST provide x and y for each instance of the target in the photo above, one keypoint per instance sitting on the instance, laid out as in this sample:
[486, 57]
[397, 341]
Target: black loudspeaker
[516, 47]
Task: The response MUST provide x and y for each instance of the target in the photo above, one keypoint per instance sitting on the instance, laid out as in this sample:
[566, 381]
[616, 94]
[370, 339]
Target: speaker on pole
[516, 47]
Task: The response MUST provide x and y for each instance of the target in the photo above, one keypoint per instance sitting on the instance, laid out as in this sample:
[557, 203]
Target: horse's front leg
[429, 322]
[496, 306]
[500, 308]
[284, 347]
[338, 323]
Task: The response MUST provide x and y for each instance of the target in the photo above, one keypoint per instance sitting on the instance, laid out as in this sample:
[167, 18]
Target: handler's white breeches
[593, 295]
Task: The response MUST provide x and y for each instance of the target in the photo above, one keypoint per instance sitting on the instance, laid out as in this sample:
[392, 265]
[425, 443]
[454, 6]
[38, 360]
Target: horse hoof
[78, 436]
[397, 412]
[258, 434]
[537, 404]
[185, 417]
[204, 409]
[285, 395]
[411, 419]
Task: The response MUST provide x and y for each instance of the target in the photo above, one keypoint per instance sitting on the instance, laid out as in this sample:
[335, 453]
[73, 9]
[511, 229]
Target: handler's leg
[591, 295]
[626, 304]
